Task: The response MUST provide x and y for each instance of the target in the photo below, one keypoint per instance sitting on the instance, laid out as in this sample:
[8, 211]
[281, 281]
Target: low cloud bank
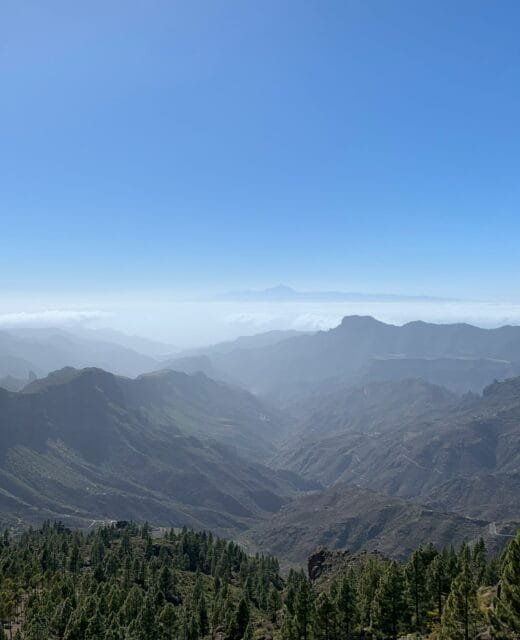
[50, 317]
[197, 323]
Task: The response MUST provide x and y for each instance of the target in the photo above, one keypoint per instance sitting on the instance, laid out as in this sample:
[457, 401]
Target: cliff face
[325, 564]
[323, 561]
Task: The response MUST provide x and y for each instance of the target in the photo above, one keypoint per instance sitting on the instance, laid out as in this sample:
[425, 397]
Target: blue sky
[178, 146]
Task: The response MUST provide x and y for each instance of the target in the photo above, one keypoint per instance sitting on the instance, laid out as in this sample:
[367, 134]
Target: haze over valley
[261, 427]
[259, 320]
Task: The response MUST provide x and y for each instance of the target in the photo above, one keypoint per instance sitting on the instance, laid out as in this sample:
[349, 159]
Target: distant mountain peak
[66, 375]
[282, 292]
[357, 321]
[280, 288]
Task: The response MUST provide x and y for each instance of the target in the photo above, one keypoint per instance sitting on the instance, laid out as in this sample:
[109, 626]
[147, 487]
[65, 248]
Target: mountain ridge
[89, 445]
[289, 370]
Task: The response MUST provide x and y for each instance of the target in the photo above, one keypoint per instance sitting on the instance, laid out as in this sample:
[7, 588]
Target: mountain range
[282, 440]
[42, 350]
[416, 441]
[85, 445]
[283, 293]
[459, 356]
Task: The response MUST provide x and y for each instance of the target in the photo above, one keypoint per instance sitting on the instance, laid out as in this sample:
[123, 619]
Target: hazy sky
[205, 146]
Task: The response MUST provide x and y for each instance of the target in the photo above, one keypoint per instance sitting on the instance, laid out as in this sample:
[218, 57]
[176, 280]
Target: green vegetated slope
[87, 445]
[123, 583]
[175, 449]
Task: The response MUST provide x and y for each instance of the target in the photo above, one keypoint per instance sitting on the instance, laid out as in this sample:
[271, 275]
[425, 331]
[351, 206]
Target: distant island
[283, 293]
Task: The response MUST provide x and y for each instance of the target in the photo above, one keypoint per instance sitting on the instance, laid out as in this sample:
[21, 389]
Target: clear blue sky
[366, 144]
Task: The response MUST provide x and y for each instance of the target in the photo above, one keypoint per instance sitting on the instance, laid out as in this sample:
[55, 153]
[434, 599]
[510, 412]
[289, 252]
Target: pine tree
[368, 581]
[438, 583]
[193, 629]
[148, 553]
[229, 617]
[289, 629]
[324, 616]
[479, 561]
[242, 618]
[167, 620]
[146, 619]
[390, 600]
[507, 621]
[415, 572]
[462, 619]
[98, 551]
[113, 633]
[290, 597]
[131, 606]
[125, 542]
[96, 628]
[248, 633]
[493, 567]
[304, 607]
[74, 563]
[346, 604]
[202, 616]
[77, 625]
[274, 603]
[62, 615]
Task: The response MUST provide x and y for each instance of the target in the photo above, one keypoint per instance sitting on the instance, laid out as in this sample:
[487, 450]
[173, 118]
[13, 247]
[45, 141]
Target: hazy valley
[351, 448]
[284, 441]
[259, 320]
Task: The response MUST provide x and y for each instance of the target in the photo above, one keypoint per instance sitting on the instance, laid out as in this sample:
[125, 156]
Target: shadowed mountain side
[88, 444]
[373, 407]
[460, 356]
[255, 341]
[460, 374]
[45, 350]
[490, 496]
[173, 400]
[199, 364]
[434, 448]
[10, 383]
[348, 517]
[202, 359]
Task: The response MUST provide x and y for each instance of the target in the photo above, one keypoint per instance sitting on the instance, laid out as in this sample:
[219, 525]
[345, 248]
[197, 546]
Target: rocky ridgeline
[325, 564]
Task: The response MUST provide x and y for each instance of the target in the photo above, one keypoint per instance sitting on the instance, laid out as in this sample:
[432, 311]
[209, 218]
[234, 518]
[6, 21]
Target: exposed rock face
[316, 562]
[324, 562]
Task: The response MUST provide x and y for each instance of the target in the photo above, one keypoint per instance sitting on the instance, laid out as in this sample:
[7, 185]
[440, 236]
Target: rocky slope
[346, 517]
[416, 441]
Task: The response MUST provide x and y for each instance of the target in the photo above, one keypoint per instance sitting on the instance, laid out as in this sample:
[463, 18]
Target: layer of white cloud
[250, 318]
[50, 317]
[196, 323]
